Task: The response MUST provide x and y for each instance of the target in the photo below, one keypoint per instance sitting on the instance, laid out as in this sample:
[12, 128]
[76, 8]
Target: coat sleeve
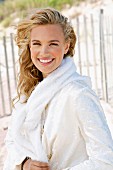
[93, 126]
[12, 153]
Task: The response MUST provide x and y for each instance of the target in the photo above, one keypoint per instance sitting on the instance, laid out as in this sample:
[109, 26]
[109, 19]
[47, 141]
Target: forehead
[48, 31]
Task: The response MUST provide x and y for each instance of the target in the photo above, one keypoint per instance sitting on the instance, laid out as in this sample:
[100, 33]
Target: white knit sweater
[75, 134]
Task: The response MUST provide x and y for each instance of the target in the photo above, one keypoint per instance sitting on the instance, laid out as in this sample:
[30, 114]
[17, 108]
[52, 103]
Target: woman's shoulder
[80, 90]
[78, 85]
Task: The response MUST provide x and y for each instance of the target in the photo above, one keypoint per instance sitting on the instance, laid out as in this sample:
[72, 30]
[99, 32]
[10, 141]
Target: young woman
[57, 122]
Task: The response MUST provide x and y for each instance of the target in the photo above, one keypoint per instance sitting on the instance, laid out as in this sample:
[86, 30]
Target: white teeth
[45, 61]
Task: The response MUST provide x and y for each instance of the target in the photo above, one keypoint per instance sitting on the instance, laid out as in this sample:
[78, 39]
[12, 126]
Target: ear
[67, 45]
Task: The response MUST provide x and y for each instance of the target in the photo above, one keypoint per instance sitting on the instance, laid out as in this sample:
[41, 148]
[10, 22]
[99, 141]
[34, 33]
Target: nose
[44, 50]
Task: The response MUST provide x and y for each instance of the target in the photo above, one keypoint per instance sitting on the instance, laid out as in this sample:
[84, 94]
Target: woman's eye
[37, 44]
[54, 44]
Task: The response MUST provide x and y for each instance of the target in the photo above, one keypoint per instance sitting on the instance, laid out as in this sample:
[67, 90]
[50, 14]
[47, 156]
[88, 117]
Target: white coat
[75, 134]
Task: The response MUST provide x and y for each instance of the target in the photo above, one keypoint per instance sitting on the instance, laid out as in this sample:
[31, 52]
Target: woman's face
[47, 47]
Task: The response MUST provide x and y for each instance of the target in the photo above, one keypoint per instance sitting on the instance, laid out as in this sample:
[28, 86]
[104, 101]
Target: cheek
[33, 52]
[58, 52]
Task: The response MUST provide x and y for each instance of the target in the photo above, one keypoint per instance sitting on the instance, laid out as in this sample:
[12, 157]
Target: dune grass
[9, 9]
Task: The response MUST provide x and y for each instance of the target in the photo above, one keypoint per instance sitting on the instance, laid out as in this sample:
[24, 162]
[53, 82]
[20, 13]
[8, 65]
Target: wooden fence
[8, 58]
[94, 52]
[93, 57]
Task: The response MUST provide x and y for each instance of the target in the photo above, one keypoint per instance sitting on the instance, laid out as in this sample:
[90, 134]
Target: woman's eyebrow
[35, 41]
[54, 41]
[48, 41]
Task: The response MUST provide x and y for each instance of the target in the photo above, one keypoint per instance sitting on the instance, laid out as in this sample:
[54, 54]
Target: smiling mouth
[45, 61]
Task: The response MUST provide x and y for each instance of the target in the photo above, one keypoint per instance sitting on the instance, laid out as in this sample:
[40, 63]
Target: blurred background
[93, 24]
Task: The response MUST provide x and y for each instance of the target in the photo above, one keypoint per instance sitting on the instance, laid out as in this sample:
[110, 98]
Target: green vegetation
[6, 22]
[10, 9]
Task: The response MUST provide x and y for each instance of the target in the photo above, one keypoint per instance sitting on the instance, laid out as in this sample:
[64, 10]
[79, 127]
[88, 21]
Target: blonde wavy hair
[29, 76]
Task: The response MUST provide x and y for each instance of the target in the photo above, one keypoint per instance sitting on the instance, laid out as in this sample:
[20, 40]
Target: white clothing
[75, 137]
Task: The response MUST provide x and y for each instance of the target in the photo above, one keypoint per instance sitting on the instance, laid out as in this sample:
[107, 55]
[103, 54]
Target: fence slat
[2, 95]
[86, 44]
[103, 58]
[7, 71]
[94, 53]
[13, 59]
[79, 46]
